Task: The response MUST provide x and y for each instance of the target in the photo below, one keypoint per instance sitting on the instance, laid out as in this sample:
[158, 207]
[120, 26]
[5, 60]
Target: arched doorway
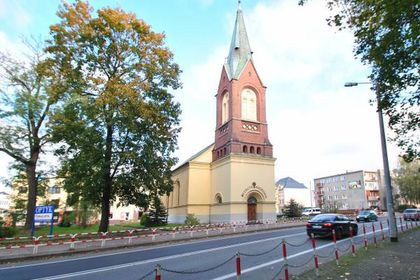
[252, 208]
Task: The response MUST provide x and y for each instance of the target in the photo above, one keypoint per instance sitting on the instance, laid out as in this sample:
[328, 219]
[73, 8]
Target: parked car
[411, 214]
[311, 211]
[323, 224]
[366, 216]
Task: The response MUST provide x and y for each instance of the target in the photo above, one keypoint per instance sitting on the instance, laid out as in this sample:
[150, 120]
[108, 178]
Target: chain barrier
[327, 255]
[278, 273]
[346, 248]
[146, 275]
[199, 271]
[305, 263]
[260, 254]
[298, 245]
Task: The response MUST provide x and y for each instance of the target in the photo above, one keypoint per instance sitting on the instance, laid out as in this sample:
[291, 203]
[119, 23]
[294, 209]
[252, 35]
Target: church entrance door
[252, 209]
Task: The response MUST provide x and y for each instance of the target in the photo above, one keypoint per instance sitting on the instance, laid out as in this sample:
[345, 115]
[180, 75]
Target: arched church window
[218, 198]
[249, 105]
[224, 151]
[251, 150]
[259, 151]
[225, 107]
[252, 200]
[245, 149]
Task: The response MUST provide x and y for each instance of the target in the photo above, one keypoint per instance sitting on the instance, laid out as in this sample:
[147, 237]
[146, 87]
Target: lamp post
[387, 177]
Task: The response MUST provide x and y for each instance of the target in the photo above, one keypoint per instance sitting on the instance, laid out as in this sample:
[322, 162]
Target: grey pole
[393, 232]
[387, 177]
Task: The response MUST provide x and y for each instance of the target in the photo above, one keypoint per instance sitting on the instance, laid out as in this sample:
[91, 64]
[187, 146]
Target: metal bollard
[286, 266]
[364, 237]
[315, 255]
[335, 247]
[353, 247]
[238, 266]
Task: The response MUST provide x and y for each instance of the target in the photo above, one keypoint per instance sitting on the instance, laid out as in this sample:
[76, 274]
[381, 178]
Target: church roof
[240, 51]
[195, 156]
[290, 183]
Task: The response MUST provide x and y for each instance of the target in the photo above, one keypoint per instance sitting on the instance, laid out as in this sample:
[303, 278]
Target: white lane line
[115, 267]
[253, 268]
[211, 239]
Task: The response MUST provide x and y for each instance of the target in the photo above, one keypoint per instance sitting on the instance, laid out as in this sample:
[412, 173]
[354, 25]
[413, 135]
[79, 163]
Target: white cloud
[13, 10]
[317, 127]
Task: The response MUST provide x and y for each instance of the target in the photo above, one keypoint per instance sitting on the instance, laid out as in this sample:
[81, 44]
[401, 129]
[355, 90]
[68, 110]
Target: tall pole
[387, 177]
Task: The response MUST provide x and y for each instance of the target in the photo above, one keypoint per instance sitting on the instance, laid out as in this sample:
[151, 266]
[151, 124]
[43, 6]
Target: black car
[323, 224]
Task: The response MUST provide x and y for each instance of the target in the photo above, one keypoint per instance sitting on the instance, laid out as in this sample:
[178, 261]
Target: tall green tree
[119, 123]
[408, 180]
[387, 38]
[29, 89]
[293, 209]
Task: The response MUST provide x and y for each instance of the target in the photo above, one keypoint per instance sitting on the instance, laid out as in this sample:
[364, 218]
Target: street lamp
[387, 177]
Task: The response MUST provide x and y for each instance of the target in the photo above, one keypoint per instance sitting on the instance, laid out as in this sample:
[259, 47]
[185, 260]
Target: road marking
[211, 239]
[115, 267]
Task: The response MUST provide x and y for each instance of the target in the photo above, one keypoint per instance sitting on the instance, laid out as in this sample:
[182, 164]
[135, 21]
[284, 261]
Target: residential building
[288, 188]
[350, 190]
[233, 178]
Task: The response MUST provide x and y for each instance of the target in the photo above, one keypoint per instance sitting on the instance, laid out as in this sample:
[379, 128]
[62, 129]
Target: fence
[348, 246]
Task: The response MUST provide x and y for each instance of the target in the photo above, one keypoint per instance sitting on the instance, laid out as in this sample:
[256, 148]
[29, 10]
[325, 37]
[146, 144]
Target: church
[232, 180]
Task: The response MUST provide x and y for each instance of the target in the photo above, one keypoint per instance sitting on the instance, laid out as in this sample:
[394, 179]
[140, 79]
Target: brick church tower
[241, 124]
[231, 180]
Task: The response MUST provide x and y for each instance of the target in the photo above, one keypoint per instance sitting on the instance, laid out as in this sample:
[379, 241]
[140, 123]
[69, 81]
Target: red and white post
[374, 235]
[353, 247]
[382, 231]
[157, 272]
[286, 265]
[238, 266]
[364, 237]
[315, 255]
[402, 225]
[335, 247]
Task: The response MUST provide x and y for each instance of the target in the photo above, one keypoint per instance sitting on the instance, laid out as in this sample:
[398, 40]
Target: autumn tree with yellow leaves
[118, 125]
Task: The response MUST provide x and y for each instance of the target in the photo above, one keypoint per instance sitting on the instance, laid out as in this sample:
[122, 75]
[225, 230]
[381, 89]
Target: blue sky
[317, 127]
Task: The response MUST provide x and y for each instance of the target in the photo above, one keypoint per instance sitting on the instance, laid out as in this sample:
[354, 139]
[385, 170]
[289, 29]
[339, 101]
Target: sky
[316, 125]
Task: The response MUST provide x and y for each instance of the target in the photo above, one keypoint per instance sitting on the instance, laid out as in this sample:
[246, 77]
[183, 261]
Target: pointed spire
[240, 50]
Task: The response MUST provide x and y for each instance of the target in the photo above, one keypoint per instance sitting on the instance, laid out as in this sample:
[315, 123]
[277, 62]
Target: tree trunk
[106, 194]
[32, 192]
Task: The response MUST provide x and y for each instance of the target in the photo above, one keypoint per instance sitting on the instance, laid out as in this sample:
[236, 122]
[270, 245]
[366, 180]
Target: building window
[249, 105]
[225, 107]
[259, 151]
[251, 150]
[245, 149]
[224, 151]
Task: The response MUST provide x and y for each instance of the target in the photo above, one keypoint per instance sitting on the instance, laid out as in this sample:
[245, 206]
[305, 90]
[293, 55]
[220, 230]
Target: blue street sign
[43, 214]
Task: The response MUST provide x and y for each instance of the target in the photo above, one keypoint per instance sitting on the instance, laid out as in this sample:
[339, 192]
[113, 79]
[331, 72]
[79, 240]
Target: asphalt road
[261, 258]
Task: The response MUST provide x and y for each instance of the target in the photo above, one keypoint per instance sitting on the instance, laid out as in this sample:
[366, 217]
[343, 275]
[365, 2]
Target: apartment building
[350, 190]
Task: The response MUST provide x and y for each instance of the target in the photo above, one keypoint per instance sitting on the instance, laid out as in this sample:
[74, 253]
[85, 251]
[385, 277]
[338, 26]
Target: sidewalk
[83, 243]
[399, 260]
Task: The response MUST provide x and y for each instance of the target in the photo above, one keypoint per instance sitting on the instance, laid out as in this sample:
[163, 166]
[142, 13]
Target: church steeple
[241, 124]
[240, 50]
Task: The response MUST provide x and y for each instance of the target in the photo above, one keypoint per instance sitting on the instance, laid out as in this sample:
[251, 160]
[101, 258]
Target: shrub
[293, 209]
[191, 220]
[145, 220]
[402, 207]
[6, 231]
[68, 219]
